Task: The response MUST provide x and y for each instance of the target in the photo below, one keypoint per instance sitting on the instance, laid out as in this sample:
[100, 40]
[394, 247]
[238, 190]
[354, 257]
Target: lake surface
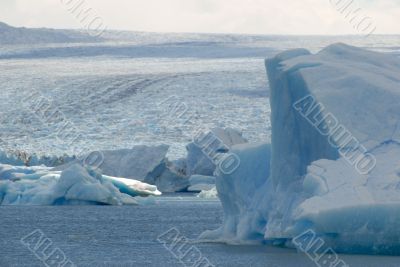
[127, 236]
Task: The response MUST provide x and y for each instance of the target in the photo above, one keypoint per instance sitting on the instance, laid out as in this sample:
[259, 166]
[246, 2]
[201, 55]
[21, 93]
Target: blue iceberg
[333, 166]
[75, 185]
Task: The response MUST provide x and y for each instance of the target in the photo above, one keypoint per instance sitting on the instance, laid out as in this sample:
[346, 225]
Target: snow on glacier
[117, 106]
[306, 180]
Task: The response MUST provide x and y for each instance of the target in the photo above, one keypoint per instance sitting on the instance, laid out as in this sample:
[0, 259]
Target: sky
[324, 17]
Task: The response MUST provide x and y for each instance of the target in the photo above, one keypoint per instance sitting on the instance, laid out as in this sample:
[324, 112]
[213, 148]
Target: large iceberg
[332, 168]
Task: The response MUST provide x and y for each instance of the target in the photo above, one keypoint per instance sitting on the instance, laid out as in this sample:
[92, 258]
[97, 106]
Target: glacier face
[332, 166]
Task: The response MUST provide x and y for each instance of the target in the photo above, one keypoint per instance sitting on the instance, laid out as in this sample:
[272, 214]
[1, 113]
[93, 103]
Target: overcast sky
[213, 16]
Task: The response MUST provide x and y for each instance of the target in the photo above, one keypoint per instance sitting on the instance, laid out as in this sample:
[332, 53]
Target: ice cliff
[333, 166]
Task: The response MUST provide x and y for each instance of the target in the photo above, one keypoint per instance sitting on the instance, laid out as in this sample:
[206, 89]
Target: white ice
[311, 177]
[74, 185]
[201, 182]
[212, 193]
[200, 152]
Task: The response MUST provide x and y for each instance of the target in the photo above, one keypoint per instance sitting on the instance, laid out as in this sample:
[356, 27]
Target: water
[127, 236]
[112, 93]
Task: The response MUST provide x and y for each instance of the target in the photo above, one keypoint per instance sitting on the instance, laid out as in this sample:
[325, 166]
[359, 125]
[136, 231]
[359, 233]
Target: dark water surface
[127, 236]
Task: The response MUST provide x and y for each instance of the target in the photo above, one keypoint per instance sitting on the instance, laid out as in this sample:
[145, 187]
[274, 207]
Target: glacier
[332, 168]
[20, 158]
[22, 35]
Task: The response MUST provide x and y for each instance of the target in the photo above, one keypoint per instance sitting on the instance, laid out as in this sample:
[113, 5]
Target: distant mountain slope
[22, 35]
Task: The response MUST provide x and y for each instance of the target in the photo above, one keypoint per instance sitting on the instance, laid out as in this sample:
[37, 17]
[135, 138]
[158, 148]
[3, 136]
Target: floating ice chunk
[75, 185]
[132, 187]
[10, 172]
[143, 163]
[203, 148]
[29, 192]
[171, 181]
[211, 193]
[201, 182]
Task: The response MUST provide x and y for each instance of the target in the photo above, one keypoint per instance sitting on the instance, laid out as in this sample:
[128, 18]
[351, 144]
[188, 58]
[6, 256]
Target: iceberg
[332, 168]
[171, 180]
[75, 185]
[237, 192]
[132, 187]
[147, 164]
[208, 194]
[201, 182]
[204, 147]
[143, 163]
[10, 172]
